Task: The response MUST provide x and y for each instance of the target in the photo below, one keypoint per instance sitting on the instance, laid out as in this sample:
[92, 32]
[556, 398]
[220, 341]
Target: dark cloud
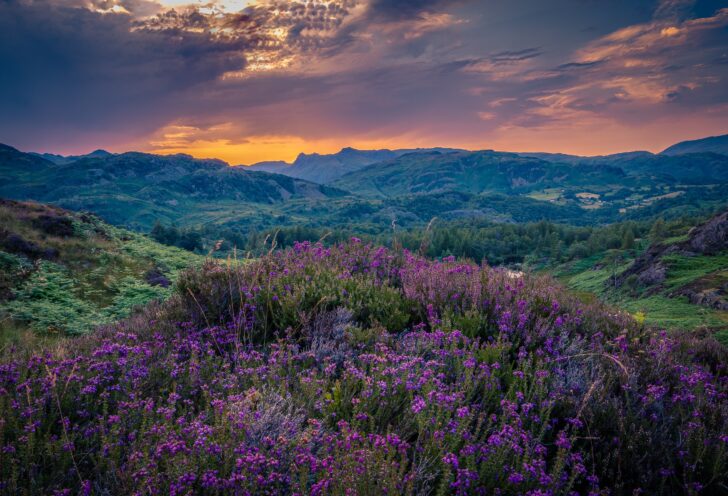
[515, 55]
[449, 72]
[71, 70]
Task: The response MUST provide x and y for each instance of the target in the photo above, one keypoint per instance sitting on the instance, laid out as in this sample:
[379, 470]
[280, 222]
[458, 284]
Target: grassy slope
[589, 277]
[68, 281]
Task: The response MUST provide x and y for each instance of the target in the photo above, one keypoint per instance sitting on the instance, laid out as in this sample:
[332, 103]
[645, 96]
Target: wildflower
[562, 441]
[450, 459]
[418, 404]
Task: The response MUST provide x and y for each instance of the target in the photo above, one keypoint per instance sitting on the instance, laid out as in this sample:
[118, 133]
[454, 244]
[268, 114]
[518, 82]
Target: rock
[155, 277]
[711, 298]
[653, 274]
[711, 237]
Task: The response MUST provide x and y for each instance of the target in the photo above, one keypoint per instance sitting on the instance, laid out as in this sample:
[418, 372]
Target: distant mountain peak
[99, 153]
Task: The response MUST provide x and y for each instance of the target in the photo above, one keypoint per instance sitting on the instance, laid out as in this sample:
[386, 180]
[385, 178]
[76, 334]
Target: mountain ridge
[325, 168]
[715, 144]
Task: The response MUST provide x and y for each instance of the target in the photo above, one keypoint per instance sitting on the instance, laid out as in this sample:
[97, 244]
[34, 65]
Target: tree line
[535, 243]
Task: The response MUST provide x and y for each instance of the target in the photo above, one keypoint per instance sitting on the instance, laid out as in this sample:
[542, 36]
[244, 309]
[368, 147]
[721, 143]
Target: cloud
[280, 74]
[72, 71]
[633, 75]
[388, 10]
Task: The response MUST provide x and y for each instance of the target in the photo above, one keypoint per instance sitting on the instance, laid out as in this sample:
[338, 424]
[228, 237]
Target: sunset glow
[252, 80]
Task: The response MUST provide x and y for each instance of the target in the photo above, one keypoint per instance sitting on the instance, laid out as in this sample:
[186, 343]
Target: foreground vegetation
[65, 273]
[586, 259]
[360, 370]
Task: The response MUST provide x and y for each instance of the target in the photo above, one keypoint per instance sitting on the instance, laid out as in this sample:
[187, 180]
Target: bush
[266, 378]
[49, 303]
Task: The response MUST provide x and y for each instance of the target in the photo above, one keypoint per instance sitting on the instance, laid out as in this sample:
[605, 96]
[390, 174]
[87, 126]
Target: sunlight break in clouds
[253, 80]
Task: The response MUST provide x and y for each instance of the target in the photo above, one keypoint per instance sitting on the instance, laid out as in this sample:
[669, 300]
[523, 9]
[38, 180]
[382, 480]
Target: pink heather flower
[418, 404]
[562, 441]
[451, 460]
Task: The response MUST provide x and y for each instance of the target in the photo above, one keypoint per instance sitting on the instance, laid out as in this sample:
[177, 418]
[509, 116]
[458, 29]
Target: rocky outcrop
[710, 291]
[709, 238]
[711, 298]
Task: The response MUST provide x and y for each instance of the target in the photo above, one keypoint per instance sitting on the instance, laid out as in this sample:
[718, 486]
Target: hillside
[678, 282]
[136, 189]
[325, 168]
[713, 144]
[359, 370]
[65, 273]
[512, 173]
[605, 188]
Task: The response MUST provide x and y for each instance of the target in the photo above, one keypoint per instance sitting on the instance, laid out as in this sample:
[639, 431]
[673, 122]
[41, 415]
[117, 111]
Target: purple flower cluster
[358, 370]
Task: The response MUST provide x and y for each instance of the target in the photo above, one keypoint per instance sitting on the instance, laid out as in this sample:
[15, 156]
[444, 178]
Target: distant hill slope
[138, 188]
[324, 169]
[67, 159]
[65, 272]
[484, 171]
[714, 144]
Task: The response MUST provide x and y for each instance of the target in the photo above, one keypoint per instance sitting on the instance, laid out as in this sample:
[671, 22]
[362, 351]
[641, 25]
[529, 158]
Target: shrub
[265, 378]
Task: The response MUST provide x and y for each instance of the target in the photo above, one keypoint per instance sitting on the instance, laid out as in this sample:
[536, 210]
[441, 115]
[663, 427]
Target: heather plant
[359, 370]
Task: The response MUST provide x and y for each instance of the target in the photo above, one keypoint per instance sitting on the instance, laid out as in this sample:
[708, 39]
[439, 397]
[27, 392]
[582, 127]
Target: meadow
[357, 369]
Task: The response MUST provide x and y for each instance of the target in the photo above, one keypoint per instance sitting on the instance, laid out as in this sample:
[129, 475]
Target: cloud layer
[254, 80]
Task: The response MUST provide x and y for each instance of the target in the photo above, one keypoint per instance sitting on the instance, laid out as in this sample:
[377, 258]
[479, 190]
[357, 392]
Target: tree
[658, 232]
[190, 240]
[628, 239]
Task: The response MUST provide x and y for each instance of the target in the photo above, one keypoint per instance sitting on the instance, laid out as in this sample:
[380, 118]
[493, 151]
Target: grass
[673, 313]
[96, 274]
[658, 309]
[684, 270]
[549, 194]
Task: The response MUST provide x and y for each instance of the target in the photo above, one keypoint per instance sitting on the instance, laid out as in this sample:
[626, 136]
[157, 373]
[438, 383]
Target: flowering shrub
[357, 370]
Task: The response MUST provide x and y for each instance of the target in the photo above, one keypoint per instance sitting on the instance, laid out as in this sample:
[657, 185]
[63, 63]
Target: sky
[254, 80]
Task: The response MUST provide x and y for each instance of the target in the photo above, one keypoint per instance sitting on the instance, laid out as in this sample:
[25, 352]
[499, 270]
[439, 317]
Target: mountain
[575, 159]
[275, 166]
[472, 172]
[509, 173]
[15, 161]
[67, 159]
[713, 144]
[65, 272]
[324, 169]
[136, 189]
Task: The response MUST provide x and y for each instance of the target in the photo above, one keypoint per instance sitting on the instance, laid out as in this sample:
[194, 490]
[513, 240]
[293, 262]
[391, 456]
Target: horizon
[291, 161]
[247, 81]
